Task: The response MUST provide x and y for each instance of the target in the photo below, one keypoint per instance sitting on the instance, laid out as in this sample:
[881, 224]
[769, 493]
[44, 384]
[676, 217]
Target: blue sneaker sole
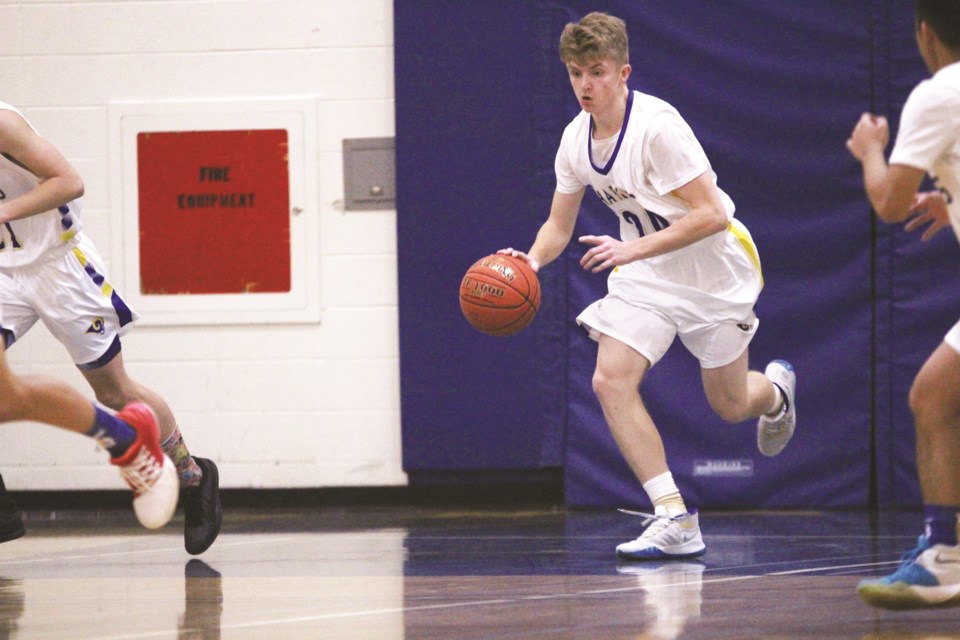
[656, 554]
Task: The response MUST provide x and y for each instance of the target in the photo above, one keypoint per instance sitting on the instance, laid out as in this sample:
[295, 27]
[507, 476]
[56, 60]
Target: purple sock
[111, 433]
[941, 524]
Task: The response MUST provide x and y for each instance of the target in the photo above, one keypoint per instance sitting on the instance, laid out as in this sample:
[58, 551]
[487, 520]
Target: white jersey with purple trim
[714, 280]
[929, 135]
[25, 241]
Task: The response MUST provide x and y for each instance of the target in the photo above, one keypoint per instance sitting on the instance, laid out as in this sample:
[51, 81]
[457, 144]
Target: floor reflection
[11, 607]
[673, 594]
[202, 602]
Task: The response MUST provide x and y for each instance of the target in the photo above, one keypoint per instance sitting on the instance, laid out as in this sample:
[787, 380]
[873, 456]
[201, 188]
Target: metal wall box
[369, 174]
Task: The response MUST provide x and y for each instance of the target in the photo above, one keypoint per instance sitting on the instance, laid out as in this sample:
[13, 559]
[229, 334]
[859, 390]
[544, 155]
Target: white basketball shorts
[71, 294]
[650, 333]
[953, 337]
[704, 294]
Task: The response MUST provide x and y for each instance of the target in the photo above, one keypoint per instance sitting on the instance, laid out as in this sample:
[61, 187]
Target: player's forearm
[696, 225]
[49, 194]
[876, 183]
[550, 242]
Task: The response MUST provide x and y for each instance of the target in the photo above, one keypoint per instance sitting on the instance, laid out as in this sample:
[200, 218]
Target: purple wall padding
[772, 91]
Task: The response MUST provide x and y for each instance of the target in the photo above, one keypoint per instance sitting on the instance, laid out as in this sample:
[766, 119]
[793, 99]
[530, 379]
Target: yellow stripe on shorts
[746, 241]
[105, 287]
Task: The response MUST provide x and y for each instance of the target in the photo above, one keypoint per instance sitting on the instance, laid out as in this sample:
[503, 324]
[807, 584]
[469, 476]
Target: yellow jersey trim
[746, 241]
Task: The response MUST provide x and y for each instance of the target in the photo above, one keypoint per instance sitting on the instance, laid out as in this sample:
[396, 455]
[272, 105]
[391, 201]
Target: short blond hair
[598, 36]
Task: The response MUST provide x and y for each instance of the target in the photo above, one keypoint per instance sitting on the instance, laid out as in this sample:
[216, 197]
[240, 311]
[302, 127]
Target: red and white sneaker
[147, 470]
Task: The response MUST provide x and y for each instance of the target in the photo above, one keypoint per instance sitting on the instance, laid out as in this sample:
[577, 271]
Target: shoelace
[656, 523]
[923, 544]
[142, 473]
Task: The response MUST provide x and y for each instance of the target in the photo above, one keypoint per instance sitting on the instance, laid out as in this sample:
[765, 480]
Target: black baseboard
[542, 488]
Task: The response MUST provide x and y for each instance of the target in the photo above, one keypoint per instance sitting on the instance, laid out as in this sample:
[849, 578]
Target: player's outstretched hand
[510, 251]
[928, 208]
[606, 252]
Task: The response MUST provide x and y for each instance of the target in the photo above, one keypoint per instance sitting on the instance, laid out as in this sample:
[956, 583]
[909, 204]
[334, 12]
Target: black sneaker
[11, 524]
[201, 509]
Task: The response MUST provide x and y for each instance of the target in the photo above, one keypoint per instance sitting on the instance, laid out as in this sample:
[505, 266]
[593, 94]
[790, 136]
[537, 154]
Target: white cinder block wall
[300, 405]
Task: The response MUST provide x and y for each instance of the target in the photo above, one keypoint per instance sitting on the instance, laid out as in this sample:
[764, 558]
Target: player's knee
[733, 415]
[730, 411]
[113, 397]
[607, 386]
[929, 410]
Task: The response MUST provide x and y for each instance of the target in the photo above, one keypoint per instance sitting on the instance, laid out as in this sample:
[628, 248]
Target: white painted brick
[359, 280]
[96, 226]
[11, 79]
[344, 332]
[360, 437]
[212, 75]
[224, 25]
[358, 232]
[12, 42]
[301, 405]
[354, 119]
[77, 133]
[360, 332]
[329, 385]
[94, 174]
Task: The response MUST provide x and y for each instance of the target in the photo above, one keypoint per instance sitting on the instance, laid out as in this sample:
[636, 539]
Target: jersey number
[13, 237]
[657, 221]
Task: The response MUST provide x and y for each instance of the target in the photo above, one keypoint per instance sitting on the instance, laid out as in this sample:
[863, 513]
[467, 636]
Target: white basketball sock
[663, 492]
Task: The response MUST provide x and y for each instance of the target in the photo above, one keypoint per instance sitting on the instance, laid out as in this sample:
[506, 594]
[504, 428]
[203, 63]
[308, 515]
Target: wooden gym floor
[418, 573]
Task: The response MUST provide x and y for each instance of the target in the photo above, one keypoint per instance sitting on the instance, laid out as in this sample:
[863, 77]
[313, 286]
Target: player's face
[598, 83]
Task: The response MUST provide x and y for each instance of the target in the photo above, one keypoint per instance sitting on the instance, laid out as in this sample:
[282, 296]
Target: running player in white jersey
[681, 267]
[50, 271]
[928, 142]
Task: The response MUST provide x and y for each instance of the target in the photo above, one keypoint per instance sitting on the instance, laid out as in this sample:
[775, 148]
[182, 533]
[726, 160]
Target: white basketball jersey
[23, 242]
[656, 153]
[929, 135]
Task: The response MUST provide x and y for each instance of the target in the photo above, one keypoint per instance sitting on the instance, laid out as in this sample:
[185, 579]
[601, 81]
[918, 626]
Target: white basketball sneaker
[773, 434]
[666, 537]
[147, 470]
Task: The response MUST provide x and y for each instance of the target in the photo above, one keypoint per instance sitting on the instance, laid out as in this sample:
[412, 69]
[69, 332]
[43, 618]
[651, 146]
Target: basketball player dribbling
[683, 266]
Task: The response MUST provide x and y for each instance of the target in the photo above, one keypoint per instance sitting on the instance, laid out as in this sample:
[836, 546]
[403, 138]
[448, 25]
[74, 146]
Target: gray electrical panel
[369, 174]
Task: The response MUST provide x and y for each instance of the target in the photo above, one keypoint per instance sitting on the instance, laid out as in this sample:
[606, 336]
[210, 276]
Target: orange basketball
[500, 295]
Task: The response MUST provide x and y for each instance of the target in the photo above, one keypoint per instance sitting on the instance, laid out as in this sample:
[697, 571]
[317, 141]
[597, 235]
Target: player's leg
[672, 532]
[735, 392]
[114, 388]
[616, 382]
[930, 574]
[18, 317]
[90, 331]
[130, 436]
[936, 409]
[198, 477]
